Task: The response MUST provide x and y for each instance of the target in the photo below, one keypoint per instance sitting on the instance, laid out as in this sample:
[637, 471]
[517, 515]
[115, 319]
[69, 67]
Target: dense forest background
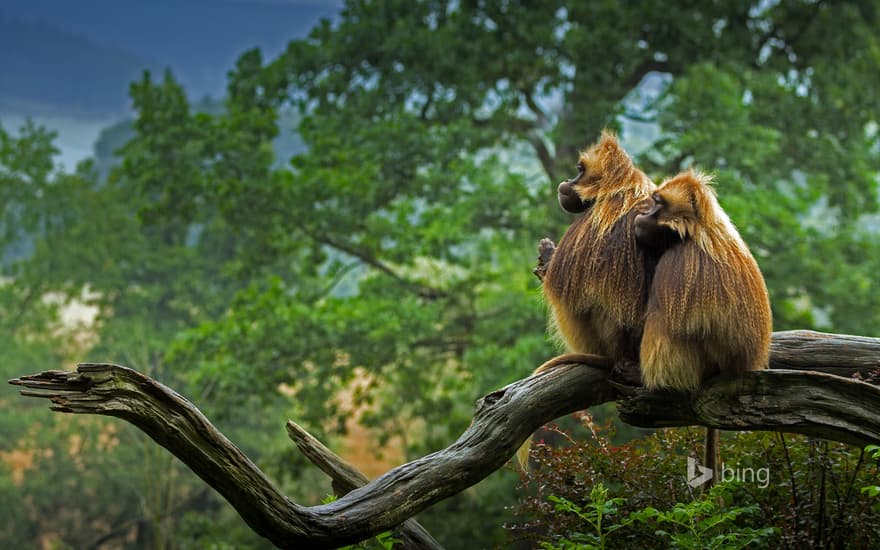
[346, 238]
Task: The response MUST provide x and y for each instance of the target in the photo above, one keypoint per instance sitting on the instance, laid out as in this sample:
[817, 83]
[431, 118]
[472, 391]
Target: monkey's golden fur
[596, 281]
[708, 310]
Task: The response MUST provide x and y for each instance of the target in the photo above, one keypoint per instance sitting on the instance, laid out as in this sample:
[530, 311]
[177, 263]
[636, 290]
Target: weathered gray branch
[840, 354]
[810, 403]
[813, 403]
[346, 478]
[503, 420]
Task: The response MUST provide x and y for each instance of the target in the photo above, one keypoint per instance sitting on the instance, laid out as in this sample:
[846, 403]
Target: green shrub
[813, 495]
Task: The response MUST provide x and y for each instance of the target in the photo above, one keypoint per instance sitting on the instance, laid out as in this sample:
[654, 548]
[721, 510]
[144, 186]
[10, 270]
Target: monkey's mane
[705, 222]
[598, 262]
[710, 285]
[620, 184]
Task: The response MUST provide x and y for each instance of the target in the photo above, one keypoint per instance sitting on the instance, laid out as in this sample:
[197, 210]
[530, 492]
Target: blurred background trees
[346, 238]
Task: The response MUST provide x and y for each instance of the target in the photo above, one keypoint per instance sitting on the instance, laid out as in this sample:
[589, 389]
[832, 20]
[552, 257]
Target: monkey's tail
[522, 454]
[711, 459]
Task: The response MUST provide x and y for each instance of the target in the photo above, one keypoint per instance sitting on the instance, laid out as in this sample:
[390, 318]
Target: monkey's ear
[695, 188]
[611, 154]
[608, 141]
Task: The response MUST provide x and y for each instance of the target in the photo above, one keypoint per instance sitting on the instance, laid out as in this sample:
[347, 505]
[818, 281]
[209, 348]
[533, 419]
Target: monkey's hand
[546, 248]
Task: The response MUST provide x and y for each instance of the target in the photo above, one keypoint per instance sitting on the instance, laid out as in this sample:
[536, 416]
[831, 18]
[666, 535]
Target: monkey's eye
[581, 168]
[658, 199]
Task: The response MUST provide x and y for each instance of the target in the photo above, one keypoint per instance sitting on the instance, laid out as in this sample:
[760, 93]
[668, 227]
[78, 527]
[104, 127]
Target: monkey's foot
[626, 377]
[546, 248]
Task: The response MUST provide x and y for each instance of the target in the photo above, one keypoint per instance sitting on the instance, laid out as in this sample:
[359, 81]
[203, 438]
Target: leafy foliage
[705, 524]
[594, 515]
[701, 524]
[811, 495]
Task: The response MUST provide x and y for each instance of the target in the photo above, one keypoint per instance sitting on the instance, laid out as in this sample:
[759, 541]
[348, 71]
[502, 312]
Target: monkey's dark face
[569, 200]
[574, 194]
[652, 232]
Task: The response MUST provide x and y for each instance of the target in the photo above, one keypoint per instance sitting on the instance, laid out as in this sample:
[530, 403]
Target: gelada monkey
[708, 311]
[596, 281]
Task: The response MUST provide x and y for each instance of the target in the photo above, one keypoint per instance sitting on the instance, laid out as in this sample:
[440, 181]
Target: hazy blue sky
[67, 64]
[198, 39]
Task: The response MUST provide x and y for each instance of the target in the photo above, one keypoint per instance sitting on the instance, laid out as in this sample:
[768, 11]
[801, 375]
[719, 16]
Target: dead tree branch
[814, 403]
[810, 403]
[503, 420]
[346, 478]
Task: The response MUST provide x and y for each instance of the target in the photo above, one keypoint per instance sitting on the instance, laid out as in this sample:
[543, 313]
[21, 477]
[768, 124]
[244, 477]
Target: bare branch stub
[346, 478]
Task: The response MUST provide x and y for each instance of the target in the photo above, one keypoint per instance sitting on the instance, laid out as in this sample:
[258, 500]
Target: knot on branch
[490, 398]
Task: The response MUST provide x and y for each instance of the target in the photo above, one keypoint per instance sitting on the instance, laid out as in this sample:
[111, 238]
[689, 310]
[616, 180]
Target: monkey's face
[578, 193]
[656, 224]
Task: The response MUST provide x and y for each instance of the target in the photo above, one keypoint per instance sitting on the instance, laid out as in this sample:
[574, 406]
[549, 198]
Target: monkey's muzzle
[569, 200]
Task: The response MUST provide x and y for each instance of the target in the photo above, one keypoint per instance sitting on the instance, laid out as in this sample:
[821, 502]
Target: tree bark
[840, 354]
[814, 403]
[346, 478]
[503, 420]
